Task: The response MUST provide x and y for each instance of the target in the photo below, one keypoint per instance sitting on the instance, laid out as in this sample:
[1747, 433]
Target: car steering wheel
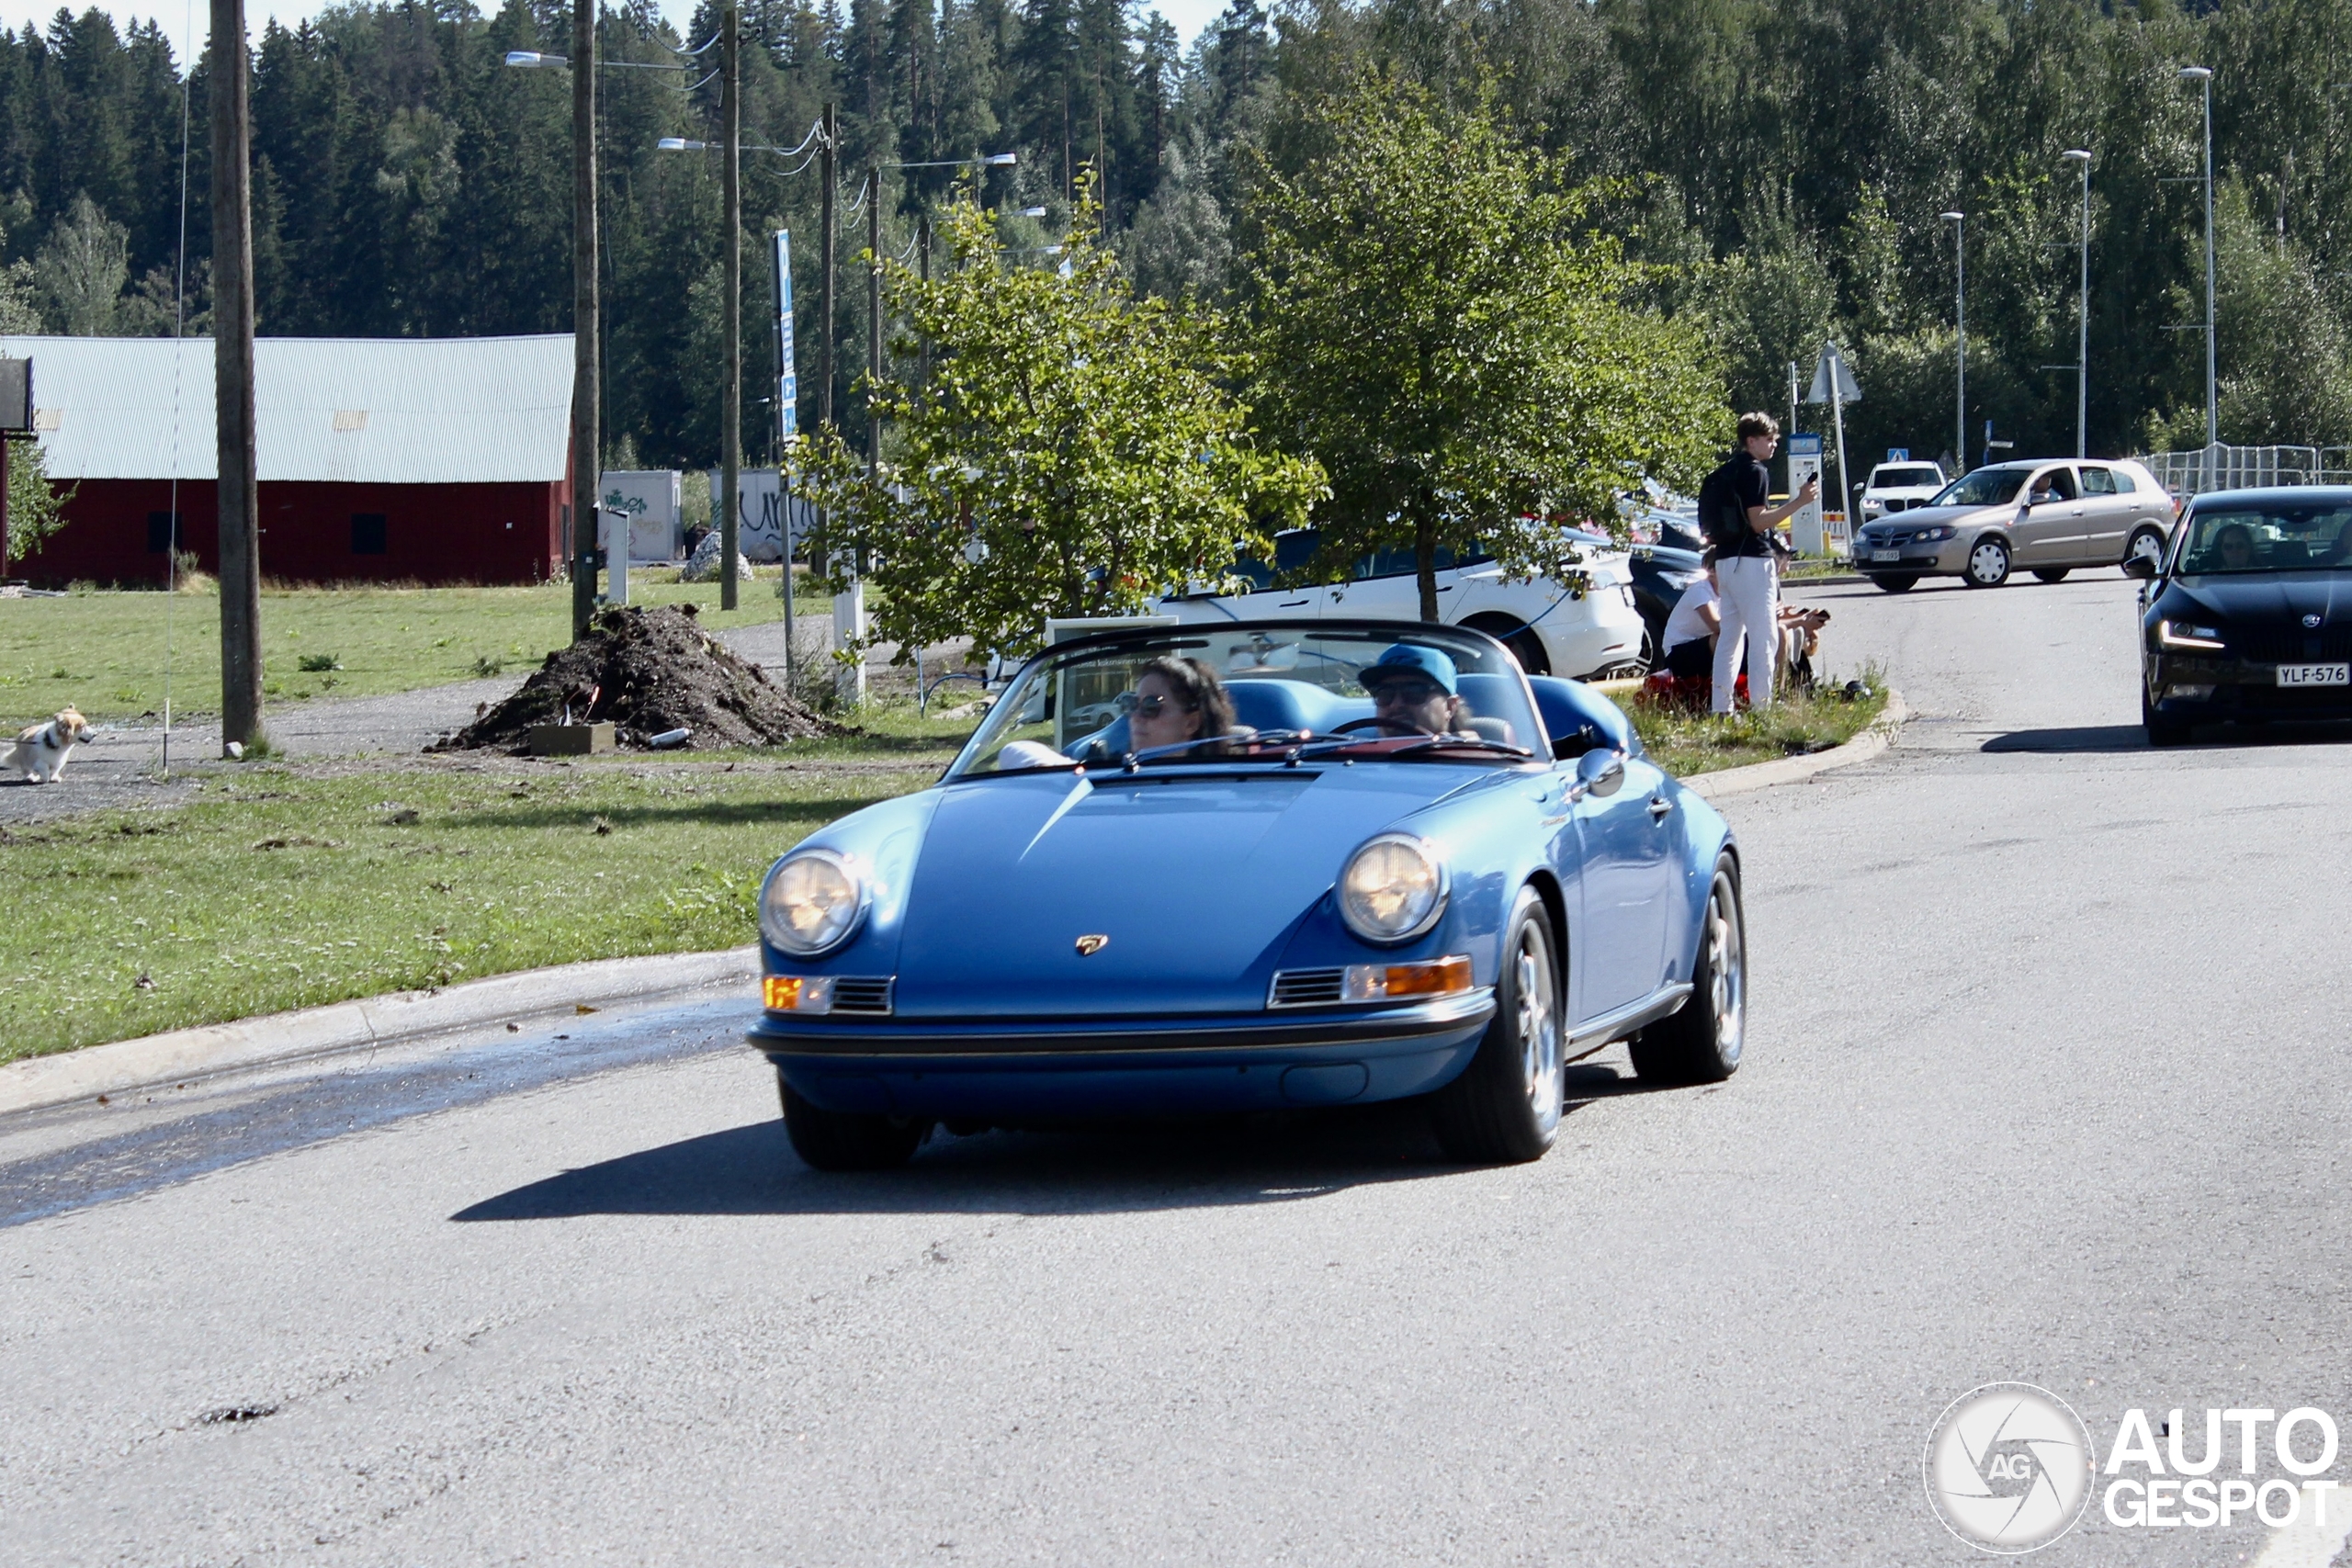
[1389, 725]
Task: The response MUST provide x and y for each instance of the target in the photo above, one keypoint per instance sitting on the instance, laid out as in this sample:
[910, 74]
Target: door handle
[1660, 806]
[1293, 603]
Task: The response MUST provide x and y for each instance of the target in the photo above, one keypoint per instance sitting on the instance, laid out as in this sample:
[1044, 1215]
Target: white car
[1550, 629]
[1898, 487]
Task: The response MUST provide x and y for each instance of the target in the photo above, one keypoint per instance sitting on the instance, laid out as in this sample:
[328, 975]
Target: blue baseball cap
[1405, 658]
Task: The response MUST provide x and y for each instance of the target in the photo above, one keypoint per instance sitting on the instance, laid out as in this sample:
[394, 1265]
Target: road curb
[398, 1018]
[1791, 770]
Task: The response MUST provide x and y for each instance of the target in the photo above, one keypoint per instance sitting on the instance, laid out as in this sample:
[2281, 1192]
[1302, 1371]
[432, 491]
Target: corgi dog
[41, 749]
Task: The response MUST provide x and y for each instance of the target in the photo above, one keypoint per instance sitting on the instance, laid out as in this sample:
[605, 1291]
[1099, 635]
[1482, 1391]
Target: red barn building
[381, 459]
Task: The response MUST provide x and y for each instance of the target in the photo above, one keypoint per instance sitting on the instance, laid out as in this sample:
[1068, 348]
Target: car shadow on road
[2078, 738]
[1105, 1168]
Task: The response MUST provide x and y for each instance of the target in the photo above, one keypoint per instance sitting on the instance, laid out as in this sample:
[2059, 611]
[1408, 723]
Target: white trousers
[1749, 587]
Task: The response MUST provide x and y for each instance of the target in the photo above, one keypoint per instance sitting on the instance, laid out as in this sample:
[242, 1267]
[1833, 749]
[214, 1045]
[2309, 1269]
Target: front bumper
[1944, 560]
[982, 1067]
[2215, 690]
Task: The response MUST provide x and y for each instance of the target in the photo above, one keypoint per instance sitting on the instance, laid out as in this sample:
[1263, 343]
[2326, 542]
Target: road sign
[1898, 454]
[787, 383]
[1832, 379]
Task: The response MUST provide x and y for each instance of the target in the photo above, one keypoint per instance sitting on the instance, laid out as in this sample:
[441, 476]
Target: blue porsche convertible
[1266, 865]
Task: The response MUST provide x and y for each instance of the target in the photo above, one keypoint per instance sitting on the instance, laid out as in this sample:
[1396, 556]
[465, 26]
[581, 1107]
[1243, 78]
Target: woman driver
[1178, 700]
[2234, 546]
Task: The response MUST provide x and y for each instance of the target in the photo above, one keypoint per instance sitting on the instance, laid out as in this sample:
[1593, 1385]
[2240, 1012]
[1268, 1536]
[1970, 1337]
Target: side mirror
[2142, 566]
[1599, 772]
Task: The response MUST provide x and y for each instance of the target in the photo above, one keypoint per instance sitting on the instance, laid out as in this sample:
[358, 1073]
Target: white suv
[1550, 629]
[1898, 487]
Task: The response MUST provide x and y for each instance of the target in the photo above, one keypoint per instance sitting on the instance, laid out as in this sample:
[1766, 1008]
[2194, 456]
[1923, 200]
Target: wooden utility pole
[233, 335]
[587, 353]
[873, 317]
[825, 280]
[731, 444]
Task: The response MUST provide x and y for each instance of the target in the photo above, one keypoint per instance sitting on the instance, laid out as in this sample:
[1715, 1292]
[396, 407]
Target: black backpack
[1721, 516]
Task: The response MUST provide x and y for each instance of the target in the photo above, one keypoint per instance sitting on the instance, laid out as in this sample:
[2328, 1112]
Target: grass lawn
[102, 652]
[1687, 743]
[287, 887]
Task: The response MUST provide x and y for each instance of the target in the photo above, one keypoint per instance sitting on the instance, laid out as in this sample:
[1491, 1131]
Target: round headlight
[812, 903]
[1392, 890]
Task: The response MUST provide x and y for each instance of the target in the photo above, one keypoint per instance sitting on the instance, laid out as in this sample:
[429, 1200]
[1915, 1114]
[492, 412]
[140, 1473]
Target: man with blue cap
[1414, 690]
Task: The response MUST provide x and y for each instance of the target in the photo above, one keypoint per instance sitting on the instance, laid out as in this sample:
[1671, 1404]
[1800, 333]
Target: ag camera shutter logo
[2008, 1467]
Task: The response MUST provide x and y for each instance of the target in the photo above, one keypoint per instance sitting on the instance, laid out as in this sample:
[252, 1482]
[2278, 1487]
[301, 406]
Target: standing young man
[1734, 507]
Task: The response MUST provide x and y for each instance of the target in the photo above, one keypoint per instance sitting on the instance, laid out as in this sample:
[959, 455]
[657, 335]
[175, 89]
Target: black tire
[1988, 565]
[1517, 636]
[1504, 1108]
[2051, 573]
[841, 1140]
[2149, 541]
[1896, 581]
[1701, 1044]
[2162, 730]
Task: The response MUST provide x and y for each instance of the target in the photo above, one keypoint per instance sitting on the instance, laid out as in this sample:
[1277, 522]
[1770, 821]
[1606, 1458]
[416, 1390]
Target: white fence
[2249, 468]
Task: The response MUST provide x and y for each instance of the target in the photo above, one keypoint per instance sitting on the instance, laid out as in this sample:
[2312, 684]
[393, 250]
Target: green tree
[1439, 328]
[1074, 452]
[83, 267]
[35, 509]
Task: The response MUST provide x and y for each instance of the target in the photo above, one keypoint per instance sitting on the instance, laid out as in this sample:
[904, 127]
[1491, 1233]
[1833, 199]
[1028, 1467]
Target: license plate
[2315, 674]
[1886, 555]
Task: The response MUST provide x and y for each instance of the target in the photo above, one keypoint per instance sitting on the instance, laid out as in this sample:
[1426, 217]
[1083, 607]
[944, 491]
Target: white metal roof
[375, 410]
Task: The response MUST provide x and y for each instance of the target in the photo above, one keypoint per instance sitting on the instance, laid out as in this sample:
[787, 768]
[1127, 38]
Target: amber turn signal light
[797, 993]
[1390, 982]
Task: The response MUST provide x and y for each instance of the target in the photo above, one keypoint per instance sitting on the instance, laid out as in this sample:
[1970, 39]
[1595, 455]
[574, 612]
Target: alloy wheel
[1539, 1020]
[1726, 972]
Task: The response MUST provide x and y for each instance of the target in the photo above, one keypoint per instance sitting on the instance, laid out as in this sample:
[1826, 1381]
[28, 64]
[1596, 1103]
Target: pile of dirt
[646, 672]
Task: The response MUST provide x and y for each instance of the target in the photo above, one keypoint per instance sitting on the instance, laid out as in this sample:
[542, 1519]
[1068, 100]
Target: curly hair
[1758, 423]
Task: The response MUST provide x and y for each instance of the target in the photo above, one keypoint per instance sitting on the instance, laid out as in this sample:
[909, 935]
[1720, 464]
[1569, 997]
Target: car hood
[1197, 881]
[2254, 598]
[1958, 516]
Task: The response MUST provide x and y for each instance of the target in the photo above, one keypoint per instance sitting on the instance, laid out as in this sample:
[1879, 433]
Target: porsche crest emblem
[1092, 944]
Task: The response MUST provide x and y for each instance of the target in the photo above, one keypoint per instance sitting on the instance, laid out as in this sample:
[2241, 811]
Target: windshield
[2314, 536]
[1985, 487]
[1253, 694]
[1893, 479]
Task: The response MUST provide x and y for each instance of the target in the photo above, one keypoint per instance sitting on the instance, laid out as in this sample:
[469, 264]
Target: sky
[1188, 16]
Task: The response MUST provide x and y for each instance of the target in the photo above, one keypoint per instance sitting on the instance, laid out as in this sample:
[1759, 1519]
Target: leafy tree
[35, 509]
[1074, 452]
[83, 267]
[1436, 325]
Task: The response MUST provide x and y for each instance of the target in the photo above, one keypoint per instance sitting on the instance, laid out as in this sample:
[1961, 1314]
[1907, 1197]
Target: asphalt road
[2046, 1081]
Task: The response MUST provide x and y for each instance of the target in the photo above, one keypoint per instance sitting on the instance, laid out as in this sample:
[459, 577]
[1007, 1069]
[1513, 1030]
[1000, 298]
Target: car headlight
[1392, 890]
[2181, 634]
[1936, 535]
[812, 903]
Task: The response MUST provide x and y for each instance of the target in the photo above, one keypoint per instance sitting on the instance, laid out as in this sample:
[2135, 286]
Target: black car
[2248, 613]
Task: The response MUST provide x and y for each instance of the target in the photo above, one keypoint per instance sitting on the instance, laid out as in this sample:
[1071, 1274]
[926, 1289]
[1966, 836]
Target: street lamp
[1959, 220]
[586, 349]
[2203, 77]
[2082, 312]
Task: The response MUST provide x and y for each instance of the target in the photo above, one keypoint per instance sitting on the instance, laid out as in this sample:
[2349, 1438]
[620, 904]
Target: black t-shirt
[1751, 485]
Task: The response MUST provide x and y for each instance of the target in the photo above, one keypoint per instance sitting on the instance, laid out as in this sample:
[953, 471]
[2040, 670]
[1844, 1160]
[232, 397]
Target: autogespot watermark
[2010, 1468]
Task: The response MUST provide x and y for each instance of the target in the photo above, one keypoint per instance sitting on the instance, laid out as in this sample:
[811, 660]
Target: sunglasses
[1150, 707]
[1406, 692]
